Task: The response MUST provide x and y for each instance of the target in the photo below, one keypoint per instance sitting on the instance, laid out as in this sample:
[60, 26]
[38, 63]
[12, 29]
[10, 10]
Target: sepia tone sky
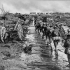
[27, 6]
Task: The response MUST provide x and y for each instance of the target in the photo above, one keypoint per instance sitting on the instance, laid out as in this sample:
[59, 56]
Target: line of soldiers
[55, 32]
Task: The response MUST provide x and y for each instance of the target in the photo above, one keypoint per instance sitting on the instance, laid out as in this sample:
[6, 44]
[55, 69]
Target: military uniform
[67, 47]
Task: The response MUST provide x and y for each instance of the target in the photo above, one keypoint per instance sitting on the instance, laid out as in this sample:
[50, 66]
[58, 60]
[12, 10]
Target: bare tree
[4, 13]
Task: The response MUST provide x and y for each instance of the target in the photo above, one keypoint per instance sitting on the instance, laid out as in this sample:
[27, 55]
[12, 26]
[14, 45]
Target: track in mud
[40, 58]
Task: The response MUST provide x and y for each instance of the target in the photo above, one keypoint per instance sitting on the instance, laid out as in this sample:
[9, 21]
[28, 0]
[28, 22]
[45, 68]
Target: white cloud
[26, 6]
[9, 8]
[12, 9]
[55, 6]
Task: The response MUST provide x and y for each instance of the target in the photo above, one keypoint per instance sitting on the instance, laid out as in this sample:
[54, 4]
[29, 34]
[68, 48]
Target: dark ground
[40, 58]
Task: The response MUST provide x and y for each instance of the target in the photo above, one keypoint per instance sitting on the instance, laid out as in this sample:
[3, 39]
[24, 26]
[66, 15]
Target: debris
[6, 53]
[2, 67]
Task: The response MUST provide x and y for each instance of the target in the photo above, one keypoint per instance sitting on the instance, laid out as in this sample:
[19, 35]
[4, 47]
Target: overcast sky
[27, 6]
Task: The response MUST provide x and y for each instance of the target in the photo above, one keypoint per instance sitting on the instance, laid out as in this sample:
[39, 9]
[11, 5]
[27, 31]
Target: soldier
[19, 29]
[3, 33]
[56, 36]
[67, 46]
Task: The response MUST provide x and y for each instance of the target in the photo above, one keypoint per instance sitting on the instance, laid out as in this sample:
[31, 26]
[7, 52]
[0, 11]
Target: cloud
[55, 6]
[12, 9]
[27, 6]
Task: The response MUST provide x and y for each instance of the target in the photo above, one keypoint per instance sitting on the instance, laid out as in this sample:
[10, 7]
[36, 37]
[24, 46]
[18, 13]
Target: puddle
[30, 37]
[30, 58]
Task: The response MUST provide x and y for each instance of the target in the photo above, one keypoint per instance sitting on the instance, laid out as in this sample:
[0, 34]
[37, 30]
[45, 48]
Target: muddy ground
[40, 58]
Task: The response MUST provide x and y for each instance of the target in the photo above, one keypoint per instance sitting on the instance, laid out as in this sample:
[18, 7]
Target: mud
[41, 57]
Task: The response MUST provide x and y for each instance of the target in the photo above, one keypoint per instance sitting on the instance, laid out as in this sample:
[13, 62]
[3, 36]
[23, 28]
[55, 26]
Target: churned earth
[41, 57]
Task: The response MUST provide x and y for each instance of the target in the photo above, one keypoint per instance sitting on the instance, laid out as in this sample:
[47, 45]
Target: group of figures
[13, 31]
[57, 32]
[5, 34]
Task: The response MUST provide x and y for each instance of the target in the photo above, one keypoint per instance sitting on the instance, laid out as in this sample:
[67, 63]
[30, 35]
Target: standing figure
[19, 29]
[3, 33]
[67, 46]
